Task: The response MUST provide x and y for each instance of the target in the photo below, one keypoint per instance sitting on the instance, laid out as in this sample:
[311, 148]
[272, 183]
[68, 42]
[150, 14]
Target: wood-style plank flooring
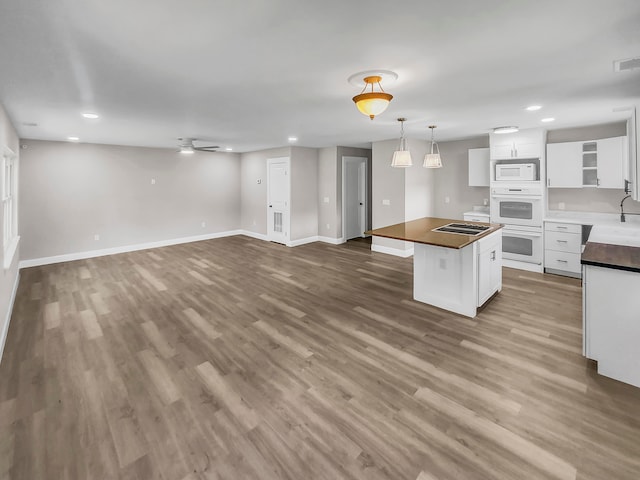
[241, 359]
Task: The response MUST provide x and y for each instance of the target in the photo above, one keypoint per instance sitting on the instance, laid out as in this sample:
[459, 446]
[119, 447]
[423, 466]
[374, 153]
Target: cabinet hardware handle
[563, 261]
[548, 182]
[562, 227]
[561, 241]
[597, 182]
[493, 255]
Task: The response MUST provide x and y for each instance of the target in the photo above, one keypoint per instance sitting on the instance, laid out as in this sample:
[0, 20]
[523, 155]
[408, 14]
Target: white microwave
[515, 172]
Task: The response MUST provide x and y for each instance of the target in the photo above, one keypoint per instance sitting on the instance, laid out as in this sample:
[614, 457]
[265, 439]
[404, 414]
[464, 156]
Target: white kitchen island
[451, 271]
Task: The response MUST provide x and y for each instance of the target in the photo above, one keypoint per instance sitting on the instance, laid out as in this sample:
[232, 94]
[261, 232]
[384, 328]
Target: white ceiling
[248, 74]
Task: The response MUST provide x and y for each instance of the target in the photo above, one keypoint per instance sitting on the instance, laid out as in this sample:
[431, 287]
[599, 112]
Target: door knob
[361, 203]
[270, 206]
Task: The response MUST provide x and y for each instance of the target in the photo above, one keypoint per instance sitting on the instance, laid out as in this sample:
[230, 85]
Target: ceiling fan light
[186, 149]
[432, 160]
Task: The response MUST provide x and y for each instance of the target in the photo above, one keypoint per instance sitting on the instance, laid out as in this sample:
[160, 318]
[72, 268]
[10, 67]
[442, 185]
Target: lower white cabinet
[562, 248]
[489, 267]
[610, 322]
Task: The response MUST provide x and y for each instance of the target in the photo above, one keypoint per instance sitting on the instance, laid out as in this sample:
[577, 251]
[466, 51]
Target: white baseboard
[7, 320]
[36, 262]
[257, 236]
[392, 251]
[332, 241]
[302, 241]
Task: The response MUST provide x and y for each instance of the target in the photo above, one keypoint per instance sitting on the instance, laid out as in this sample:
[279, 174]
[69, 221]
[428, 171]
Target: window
[9, 205]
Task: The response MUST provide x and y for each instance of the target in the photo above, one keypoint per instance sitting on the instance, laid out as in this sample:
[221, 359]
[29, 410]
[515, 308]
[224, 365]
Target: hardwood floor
[241, 359]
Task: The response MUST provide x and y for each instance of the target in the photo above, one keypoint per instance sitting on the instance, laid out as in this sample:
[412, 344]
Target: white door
[354, 193]
[278, 199]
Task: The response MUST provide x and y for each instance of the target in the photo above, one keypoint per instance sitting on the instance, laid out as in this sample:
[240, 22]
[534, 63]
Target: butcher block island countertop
[453, 271]
[421, 231]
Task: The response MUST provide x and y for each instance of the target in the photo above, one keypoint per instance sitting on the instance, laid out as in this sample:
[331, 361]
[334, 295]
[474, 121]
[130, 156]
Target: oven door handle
[516, 196]
[520, 234]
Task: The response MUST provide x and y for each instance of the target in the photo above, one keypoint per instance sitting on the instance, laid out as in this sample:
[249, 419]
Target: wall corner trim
[392, 251]
[331, 240]
[5, 330]
[302, 241]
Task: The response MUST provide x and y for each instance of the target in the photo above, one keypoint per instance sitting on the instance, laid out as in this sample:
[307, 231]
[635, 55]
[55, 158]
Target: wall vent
[628, 64]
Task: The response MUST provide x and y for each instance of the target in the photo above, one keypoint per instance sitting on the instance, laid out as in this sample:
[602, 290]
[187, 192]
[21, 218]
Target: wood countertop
[619, 257]
[420, 231]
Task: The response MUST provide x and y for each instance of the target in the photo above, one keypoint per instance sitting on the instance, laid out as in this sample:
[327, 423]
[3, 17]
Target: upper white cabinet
[479, 167]
[564, 165]
[596, 163]
[522, 144]
[611, 162]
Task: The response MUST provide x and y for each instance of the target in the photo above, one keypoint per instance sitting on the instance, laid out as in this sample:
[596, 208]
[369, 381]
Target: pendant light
[402, 156]
[372, 103]
[433, 160]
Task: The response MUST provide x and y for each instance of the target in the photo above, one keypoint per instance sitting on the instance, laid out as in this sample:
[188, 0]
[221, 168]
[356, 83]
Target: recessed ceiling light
[229, 149]
[73, 139]
[547, 120]
[90, 115]
[292, 139]
[505, 129]
[533, 108]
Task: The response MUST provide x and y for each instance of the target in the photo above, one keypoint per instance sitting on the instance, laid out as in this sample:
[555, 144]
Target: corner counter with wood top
[452, 271]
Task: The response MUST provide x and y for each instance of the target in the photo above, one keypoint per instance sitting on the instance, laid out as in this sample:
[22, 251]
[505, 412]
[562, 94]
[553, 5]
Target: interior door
[354, 196]
[278, 200]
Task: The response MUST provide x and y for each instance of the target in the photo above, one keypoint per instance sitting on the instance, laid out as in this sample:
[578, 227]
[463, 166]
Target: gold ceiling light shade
[433, 160]
[372, 103]
[402, 156]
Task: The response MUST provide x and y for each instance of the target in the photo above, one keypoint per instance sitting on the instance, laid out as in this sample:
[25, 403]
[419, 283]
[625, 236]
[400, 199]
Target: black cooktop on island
[462, 228]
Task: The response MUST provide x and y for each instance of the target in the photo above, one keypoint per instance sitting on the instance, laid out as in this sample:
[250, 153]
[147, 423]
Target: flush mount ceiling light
[292, 139]
[501, 130]
[73, 139]
[432, 160]
[372, 103]
[547, 120]
[533, 108]
[91, 116]
[402, 156]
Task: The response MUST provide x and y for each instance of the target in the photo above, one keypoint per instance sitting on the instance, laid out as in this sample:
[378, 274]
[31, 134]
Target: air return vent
[628, 64]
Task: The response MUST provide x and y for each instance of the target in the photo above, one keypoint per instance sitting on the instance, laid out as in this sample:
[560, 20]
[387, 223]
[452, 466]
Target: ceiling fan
[187, 146]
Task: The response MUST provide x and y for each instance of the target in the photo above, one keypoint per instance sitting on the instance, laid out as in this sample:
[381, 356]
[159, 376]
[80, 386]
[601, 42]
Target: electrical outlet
[328, 226]
[254, 222]
[259, 181]
[153, 181]
[561, 205]
[326, 199]
[447, 200]
[386, 202]
[485, 201]
[203, 224]
[96, 237]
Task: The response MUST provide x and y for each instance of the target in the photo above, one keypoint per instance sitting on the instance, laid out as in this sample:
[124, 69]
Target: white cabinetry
[564, 165]
[562, 248]
[523, 144]
[610, 322]
[489, 267]
[595, 163]
[478, 167]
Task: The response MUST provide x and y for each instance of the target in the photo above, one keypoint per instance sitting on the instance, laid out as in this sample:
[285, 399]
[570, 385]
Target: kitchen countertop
[619, 257]
[420, 231]
[588, 218]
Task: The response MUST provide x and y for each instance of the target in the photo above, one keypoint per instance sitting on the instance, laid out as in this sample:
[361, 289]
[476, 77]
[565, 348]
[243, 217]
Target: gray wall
[452, 180]
[304, 193]
[253, 195]
[409, 190]
[604, 200]
[71, 192]
[8, 137]
[328, 187]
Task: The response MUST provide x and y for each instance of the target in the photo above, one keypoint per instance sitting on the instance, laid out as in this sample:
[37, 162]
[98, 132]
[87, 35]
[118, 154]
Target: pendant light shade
[433, 160]
[402, 156]
[372, 103]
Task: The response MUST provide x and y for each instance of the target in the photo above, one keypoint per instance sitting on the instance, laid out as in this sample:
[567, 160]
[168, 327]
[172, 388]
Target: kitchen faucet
[622, 214]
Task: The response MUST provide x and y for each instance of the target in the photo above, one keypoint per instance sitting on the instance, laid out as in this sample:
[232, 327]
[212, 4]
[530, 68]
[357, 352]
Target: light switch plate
[386, 202]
